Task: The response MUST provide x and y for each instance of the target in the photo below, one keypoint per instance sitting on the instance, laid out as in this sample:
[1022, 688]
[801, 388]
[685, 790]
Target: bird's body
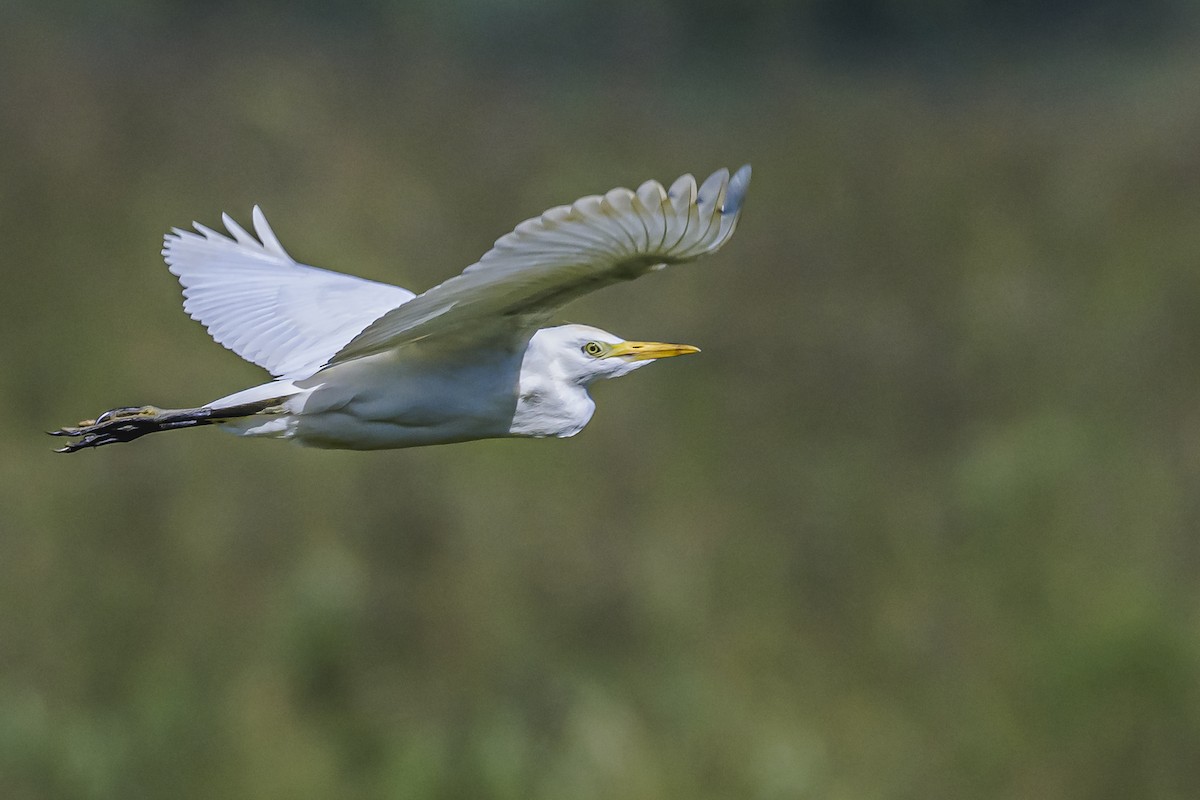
[425, 394]
[362, 365]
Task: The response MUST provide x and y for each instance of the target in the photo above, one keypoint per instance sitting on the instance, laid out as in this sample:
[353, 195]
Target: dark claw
[107, 416]
[80, 431]
[103, 436]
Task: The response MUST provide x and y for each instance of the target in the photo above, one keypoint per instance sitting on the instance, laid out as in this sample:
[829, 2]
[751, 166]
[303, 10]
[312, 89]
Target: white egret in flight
[363, 365]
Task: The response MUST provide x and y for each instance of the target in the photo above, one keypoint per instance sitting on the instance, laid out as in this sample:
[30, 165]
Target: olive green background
[920, 522]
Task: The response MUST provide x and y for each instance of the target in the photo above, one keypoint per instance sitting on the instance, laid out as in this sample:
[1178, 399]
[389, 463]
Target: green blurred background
[921, 522]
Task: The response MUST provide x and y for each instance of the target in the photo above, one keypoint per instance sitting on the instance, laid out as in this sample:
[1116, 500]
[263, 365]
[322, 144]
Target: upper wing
[259, 302]
[567, 252]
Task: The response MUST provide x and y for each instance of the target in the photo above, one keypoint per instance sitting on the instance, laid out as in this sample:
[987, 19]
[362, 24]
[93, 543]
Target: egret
[363, 365]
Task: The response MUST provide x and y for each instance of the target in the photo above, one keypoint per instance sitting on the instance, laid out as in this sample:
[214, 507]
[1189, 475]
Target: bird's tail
[129, 423]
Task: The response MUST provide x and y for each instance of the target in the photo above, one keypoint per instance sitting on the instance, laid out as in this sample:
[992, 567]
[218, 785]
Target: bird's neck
[549, 403]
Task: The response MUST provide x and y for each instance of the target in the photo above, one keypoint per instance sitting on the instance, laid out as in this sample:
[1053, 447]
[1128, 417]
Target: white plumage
[255, 299]
[366, 365]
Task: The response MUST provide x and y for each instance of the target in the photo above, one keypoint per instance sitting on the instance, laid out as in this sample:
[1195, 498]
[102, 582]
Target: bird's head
[581, 354]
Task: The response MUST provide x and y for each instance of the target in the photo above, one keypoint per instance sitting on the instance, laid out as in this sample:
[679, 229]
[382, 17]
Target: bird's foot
[126, 424]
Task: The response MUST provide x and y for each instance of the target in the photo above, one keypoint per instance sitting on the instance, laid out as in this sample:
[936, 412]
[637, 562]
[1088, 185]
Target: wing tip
[735, 191]
[684, 188]
[270, 241]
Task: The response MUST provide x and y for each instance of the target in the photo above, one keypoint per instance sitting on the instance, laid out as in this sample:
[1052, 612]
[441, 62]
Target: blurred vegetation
[922, 521]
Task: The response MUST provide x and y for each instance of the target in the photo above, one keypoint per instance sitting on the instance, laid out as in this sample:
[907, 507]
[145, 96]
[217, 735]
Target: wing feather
[568, 251]
[255, 299]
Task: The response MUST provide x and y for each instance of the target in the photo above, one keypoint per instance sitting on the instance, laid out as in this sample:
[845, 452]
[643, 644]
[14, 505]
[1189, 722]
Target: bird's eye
[593, 349]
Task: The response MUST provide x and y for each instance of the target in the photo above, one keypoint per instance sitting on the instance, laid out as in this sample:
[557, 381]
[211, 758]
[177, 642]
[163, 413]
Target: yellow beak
[643, 351]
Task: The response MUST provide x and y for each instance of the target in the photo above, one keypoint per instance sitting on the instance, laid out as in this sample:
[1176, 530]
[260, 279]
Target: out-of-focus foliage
[921, 522]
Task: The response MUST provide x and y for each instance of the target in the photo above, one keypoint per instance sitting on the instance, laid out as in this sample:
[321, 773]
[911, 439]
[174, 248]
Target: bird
[363, 365]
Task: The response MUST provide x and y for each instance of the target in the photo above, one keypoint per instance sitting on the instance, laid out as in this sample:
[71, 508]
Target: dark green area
[920, 522]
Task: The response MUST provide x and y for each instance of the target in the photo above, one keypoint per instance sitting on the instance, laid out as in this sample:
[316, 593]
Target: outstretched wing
[565, 253]
[259, 302]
